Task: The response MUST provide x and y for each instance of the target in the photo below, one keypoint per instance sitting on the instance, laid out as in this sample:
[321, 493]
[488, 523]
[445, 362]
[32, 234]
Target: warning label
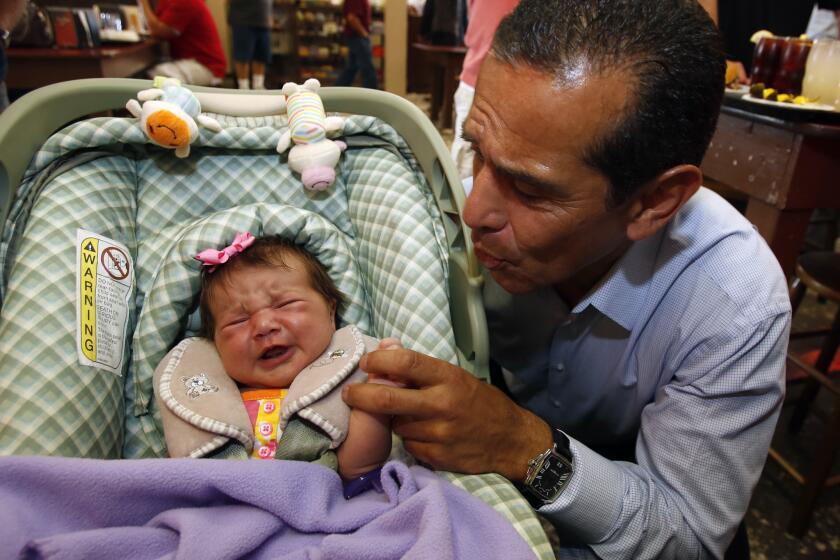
[104, 275]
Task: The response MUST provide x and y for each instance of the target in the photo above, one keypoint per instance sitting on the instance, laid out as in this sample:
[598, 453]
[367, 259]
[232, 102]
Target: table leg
[437, 92]
[784, 230]
[449, 84]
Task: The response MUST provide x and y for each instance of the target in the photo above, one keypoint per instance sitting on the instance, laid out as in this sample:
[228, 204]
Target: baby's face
[270, 324]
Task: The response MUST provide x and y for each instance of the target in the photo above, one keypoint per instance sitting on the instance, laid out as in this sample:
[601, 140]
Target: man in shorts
[250, 23]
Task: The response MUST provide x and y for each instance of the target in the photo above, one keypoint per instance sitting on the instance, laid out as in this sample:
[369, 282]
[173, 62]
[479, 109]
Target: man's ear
[660, 199]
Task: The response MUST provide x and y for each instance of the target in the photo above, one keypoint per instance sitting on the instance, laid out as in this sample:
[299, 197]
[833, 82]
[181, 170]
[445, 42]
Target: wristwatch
[549, 472]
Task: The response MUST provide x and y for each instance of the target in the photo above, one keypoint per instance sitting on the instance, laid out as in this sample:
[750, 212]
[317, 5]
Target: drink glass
[766, 58]
[814, 68]
[822, 72]
[834, 75]
[836, 98]
[791, 69]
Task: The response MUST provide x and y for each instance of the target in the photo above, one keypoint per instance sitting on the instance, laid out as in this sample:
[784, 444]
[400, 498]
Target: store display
[307, 40]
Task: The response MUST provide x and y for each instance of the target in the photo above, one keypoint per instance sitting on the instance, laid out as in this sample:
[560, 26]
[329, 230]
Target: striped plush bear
[313, 155]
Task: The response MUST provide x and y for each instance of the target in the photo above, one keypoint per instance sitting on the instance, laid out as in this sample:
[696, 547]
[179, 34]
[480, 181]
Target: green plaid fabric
[378, 230]
[377, 190]
[497, 491]
[176, 285]
[49, 404]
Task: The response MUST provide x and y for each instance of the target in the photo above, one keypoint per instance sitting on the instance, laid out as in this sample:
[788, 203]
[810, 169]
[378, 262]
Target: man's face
[538, 213]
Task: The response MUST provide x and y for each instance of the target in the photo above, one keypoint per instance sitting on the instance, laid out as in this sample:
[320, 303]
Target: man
[485, 16]
[643, 320]
[357, 36]
[250, 24]
[194, 42]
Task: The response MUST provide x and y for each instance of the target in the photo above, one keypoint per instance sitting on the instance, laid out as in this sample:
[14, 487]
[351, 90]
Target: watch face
[551, 478]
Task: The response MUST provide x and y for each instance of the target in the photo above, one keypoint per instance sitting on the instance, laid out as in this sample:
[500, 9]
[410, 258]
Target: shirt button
[265, 451]
[265, 428]
[560, 367]
[268, 407]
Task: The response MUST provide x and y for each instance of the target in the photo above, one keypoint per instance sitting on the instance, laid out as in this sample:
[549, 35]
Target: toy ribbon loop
[215, 257]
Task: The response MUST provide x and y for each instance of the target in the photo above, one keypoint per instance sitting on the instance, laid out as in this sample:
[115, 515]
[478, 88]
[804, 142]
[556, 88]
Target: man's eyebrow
[467, 137]
[522, 176]
[516, 174]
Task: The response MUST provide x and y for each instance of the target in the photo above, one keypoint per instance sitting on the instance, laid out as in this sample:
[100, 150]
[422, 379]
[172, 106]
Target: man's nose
[484, 210]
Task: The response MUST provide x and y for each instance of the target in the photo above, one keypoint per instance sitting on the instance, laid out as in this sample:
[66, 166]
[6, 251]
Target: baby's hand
[389, 343]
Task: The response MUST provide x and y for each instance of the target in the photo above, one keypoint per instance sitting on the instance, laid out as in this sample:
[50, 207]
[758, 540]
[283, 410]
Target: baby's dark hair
[266, 251]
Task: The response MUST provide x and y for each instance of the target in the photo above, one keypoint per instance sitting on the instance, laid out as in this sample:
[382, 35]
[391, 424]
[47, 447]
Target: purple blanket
[53, 507]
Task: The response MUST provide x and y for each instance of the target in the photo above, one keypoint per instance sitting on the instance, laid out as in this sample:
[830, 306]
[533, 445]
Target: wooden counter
[786, 161]
[31, 68]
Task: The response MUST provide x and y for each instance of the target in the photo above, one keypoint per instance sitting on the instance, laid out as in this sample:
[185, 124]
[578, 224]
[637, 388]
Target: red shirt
[198, 37]
[362, 10]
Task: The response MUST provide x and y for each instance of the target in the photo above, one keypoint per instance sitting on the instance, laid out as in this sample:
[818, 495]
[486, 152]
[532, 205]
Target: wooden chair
[819, 272]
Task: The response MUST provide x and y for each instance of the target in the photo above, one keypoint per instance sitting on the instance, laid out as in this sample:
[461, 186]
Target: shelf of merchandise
[307, 41]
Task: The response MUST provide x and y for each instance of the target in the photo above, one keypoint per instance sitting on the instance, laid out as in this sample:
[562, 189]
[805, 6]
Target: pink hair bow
[215, 257]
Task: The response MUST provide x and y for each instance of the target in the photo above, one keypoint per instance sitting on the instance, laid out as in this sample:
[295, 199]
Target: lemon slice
[758, 35]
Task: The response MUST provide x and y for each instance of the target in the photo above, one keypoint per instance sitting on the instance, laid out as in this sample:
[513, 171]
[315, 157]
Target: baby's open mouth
[274, 352]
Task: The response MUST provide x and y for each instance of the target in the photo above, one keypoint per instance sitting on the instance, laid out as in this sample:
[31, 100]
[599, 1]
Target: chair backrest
[30, 120]
[100, 175]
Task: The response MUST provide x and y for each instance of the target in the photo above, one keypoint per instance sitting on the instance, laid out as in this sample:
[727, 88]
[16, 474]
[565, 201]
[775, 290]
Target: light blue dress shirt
[678, 351]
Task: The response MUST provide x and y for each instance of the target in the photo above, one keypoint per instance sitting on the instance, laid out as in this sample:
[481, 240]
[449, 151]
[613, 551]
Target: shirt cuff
[591, 504]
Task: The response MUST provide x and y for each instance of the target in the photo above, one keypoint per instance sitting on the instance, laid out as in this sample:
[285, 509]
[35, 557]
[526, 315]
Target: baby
[270, 309]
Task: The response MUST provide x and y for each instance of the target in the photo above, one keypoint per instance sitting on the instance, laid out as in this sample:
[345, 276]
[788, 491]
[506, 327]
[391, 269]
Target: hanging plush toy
[170, 116]
[313, 155]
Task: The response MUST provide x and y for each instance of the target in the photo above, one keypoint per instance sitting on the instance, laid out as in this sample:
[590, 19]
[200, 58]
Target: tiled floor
[773, 498]
[770, 508]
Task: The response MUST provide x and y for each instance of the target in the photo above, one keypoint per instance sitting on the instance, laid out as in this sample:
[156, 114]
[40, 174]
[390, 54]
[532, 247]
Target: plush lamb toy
[169, 115]
[313, 155]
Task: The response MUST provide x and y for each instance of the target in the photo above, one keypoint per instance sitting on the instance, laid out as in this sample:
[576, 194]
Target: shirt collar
[622, 292]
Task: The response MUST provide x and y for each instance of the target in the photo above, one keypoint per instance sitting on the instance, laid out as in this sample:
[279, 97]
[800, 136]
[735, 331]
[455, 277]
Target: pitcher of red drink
[766, 58]
[788, 78]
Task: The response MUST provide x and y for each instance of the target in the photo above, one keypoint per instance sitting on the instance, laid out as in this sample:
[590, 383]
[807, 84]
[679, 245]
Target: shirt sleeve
[829, 4]
[178, 14]
[700, 451]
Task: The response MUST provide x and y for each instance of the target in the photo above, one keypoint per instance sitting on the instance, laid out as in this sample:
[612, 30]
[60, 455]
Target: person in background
[357, 36]
[641, 322]
[484, 17]
[250, 23]
[194, 43]
[415, 7]
[824, 24]
[10, 13]
[739, 19]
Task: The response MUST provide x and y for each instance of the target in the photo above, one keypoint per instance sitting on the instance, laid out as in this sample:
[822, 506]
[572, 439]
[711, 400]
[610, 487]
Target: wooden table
[31, 68]
[787, 162]
[446, 65]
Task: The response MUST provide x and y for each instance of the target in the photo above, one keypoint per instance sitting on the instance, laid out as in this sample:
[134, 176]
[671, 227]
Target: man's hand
[448, 418]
